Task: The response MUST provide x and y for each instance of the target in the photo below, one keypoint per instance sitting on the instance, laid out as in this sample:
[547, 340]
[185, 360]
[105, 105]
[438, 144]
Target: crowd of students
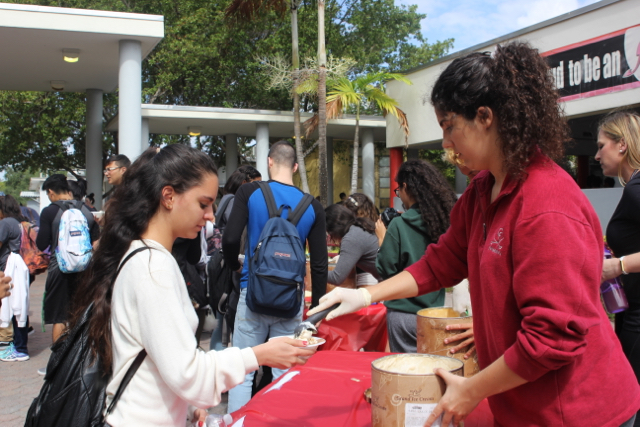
[523, 234]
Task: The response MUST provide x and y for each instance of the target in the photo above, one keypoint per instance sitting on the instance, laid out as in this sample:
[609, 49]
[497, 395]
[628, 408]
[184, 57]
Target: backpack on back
[36, 260]
[278, 265]
[218, 274]
[74, 389]
[72, 237]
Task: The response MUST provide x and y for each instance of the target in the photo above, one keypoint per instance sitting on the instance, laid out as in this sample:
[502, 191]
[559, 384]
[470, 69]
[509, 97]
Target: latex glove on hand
[461, 298]
[350, 300]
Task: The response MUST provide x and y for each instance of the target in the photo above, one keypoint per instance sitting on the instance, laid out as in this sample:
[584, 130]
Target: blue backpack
[278, 265]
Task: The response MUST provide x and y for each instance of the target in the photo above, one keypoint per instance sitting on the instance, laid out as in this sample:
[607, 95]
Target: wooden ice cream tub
[404, 389]
[432, 333]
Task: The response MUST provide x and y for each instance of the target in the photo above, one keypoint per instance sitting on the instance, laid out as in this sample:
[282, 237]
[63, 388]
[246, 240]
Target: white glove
[461, 298]
[350, 300]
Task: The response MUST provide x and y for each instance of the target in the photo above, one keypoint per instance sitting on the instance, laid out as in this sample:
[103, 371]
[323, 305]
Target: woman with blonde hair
[619, 155]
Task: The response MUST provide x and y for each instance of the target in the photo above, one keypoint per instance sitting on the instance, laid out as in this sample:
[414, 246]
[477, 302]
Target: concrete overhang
[175, 120]
[34, 37]
[573, 28]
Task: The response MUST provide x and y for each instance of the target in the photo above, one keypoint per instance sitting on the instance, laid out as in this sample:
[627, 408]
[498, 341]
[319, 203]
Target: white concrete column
[329, 170]
[461, 181]
[231, 148]
[93, 155]
[144, 137]
[262, 149]
[368, 164]
[130, 99]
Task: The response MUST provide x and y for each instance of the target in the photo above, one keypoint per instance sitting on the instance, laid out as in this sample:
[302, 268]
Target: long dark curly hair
[516, 84]
[127, 217]
[432, 192]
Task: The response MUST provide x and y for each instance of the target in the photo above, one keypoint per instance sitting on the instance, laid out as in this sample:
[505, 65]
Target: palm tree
[323, 183]
[349, 95]
[247, 10]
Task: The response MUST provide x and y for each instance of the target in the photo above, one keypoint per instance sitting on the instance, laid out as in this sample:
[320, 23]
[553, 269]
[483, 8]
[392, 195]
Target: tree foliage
[206, 61]
[436, 158]
[15, 182]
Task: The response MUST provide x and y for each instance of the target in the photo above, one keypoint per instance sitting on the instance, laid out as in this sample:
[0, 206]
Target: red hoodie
[534, 258]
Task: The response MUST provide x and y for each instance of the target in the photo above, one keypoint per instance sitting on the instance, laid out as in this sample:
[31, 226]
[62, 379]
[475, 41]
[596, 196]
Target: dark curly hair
[128, 213]
[340, 219]
[516, 84]
[432, 193]
[362, 206]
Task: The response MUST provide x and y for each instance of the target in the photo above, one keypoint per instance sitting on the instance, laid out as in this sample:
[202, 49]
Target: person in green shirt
[428, 199]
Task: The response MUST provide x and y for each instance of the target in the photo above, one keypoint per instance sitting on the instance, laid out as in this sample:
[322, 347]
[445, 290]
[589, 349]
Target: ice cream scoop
[307, 327]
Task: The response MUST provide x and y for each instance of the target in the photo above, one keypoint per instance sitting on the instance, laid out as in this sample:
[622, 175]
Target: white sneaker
[42, 371]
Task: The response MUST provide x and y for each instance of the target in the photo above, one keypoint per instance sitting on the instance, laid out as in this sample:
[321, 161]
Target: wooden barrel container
[404, 389]
[432, 333]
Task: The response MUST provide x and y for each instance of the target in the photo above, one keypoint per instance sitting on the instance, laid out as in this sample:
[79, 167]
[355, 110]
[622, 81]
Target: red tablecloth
[327, 392]
[366, 328]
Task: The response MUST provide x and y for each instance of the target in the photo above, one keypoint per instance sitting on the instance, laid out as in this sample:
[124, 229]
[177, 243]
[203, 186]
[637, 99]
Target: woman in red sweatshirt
[531, 245]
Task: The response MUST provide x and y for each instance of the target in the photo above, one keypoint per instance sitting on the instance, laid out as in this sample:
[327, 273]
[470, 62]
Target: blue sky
[471, 22]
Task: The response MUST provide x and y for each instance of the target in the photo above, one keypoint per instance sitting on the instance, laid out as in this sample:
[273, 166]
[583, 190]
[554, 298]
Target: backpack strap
[140, 357]
[297, 213]
[221, 210]
[55, 226]
[78, 204]
[127, 378]
[268, 198]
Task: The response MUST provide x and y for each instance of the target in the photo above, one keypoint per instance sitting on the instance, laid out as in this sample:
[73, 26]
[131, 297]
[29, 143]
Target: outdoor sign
[605, 64]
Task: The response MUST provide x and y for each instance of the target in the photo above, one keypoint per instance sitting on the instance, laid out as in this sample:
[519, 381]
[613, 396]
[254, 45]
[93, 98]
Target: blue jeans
[216, 334]
[20, 336]
[253, 329]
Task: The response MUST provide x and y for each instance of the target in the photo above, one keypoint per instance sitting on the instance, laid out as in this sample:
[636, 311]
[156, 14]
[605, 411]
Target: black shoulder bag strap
[139, 358]
[220, 214]
[55, 226]
[86, 212]
[297, 213]
[268, 198]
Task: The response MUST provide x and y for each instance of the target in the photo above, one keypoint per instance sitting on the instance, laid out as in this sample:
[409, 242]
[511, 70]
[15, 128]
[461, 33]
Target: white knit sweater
[151, 309]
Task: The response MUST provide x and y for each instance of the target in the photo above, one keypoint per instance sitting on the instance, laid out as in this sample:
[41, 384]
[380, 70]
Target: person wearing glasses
[427, 199]
[116, 167]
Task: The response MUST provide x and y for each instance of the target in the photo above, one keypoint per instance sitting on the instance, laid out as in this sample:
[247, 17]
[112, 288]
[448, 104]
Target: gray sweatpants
[402, 329]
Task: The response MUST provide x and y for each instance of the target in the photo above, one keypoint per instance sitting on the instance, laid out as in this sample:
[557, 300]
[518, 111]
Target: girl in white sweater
[166, 194]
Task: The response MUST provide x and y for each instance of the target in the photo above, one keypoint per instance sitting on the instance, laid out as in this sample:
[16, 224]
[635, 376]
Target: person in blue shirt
[250, 209]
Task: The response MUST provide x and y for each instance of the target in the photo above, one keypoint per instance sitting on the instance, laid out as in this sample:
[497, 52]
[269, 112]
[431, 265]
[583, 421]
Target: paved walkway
[20, 382]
